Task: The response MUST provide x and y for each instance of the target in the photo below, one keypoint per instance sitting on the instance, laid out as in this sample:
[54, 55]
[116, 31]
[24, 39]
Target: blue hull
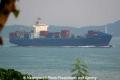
[102, 39]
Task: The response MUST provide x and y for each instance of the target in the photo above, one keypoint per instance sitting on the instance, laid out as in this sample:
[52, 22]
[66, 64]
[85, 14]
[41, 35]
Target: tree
[6, 7]
[80, 69]
[11, 74]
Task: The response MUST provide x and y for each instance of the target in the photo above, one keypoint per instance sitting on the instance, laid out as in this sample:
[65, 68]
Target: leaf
[16, 13]
[74, 75]
[80, 67]
[85, 70]
[83, 65]
[78, 61]
[74, 70]
[1, 41]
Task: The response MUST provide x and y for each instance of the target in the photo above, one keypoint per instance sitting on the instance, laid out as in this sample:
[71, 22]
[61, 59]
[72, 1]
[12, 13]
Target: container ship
[40, 36]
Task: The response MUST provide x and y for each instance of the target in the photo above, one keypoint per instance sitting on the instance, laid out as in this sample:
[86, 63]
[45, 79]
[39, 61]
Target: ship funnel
[106, 29]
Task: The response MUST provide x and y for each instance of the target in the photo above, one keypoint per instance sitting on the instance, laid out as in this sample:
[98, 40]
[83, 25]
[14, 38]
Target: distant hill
[113, 28]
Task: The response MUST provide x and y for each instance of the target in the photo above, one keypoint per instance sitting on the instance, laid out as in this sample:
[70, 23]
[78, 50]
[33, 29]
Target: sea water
[102, 62]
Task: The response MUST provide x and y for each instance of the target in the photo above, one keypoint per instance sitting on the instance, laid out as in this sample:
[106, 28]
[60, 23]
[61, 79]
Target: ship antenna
[106, 29]
[38, 21]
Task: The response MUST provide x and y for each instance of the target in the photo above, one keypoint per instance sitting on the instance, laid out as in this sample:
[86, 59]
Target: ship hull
[98, 40]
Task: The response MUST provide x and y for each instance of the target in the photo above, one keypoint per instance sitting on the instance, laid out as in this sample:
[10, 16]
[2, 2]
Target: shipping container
[93, 31]
[43, 33]
[17, 34]
[78, 36]
[42, 36]
[12, 35]
[26, 36]
[22, 31]
[22, 35]
[57, 36]
[51, 34]
[65, 33]
[32, 31]
[73, 36]
[57, 33]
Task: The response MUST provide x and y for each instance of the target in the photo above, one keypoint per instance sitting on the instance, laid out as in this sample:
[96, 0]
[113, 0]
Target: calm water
[103, 63]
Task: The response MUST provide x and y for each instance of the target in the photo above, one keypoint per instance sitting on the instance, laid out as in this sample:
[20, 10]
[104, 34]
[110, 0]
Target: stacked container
[43, 33]
[78, 36]
[50, 35]
[65, 33]
[73, 36]
[92, 32]
[22, 32]
[12, 35]
[57, 34]
[17, 33]
[32, 31]
[26, 35]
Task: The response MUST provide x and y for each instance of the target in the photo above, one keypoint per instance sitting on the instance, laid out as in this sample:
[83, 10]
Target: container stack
[43, 33]
[17, 34]
[78, 36]
[73, 36]
[12, 35]
[92, 32]
[32, 31]
[57, 34]
[26, 35]
[50, 35]
[22, 32]
[65, 33]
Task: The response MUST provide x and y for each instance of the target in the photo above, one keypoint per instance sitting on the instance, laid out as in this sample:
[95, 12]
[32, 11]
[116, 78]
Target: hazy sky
[77, 13]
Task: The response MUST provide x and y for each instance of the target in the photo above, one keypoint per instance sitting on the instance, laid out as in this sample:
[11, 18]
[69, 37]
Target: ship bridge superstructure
[38, 27]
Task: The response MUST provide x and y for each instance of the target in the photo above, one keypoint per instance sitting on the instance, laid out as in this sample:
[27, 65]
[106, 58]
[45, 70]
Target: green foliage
[11, 74]
[16, 13]
[80, 69]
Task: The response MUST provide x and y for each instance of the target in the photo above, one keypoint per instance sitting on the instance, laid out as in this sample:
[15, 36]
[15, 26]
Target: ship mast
[106, 29]
[38, 21]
